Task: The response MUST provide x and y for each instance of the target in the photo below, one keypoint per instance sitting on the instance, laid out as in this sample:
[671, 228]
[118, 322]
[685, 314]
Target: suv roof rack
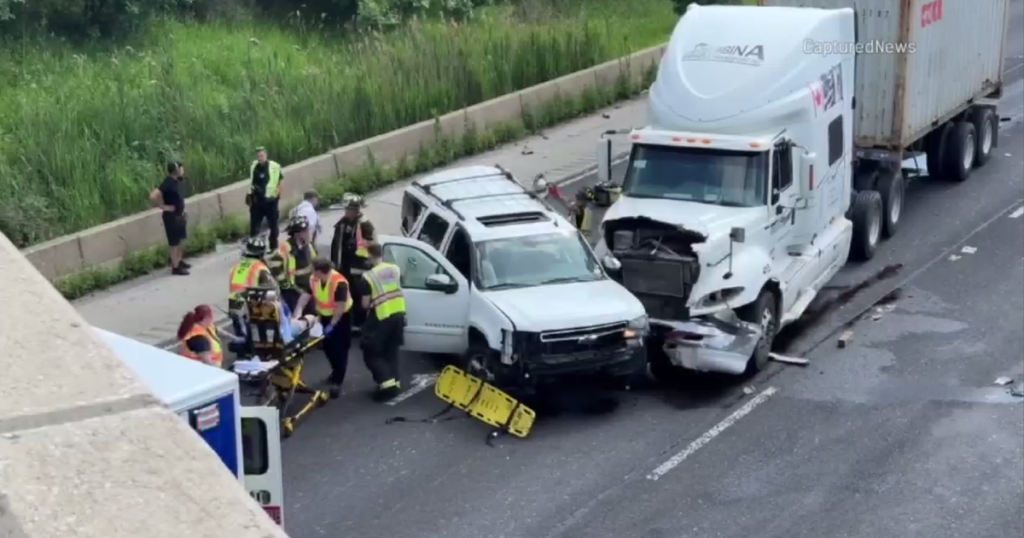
[502, 172]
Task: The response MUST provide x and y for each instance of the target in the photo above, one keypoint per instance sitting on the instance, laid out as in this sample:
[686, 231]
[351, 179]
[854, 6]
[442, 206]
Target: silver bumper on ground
[721, 343]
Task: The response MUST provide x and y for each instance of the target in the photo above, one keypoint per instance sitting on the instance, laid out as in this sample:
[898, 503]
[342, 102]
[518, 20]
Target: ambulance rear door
[261, 458]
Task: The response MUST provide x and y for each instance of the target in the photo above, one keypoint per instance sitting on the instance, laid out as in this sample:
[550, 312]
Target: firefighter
[385, 322]
[292, 263]
[353, 233]
[582, 212]
[332, 299]
[251, 272]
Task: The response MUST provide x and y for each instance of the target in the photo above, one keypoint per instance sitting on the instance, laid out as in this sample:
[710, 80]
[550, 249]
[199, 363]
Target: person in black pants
[333, 302]
[264, 196]
[168, 198]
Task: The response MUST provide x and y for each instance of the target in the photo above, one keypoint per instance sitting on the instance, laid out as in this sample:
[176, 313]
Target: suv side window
[414, 264]
[433, 231]
[460, 252]
[411, 211]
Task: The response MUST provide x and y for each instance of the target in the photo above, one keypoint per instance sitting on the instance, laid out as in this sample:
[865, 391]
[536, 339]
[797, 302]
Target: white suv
[517, 291]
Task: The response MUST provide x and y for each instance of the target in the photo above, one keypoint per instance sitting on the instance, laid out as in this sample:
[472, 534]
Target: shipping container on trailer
[955, 61]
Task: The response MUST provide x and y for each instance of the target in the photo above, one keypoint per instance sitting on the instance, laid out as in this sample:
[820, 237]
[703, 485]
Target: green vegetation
[84, 129]
[445, 150]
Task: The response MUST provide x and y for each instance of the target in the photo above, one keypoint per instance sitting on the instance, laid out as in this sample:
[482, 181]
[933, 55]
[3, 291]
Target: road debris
[606, 115]
[788, 360]
[968, 250]
[954, 257]
[881, 311]
[748, 390]
[1017, 213]
[526, 151]
[1018, 391]
[1003, 381]
[845, 338]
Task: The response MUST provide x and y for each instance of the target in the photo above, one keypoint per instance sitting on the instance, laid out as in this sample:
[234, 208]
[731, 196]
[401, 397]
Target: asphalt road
[901, 434]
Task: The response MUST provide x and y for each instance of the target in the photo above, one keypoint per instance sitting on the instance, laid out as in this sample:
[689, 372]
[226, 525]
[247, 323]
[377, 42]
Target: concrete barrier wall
[109, 243]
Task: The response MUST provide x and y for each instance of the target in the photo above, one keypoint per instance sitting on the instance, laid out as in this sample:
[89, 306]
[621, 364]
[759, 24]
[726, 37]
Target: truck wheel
[478, 361]
[866, 215]
[892, 187]
[662, 370]
[985, 129]
[935, 148]
[958, 159]
[764, 313]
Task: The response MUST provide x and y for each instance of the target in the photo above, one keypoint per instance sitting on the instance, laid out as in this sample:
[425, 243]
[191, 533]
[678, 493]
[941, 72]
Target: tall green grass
[83, 134]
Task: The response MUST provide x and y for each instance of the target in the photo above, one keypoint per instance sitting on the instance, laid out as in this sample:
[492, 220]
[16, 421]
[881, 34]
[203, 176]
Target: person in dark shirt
[352, 235]
[169, 199]
[264, 196]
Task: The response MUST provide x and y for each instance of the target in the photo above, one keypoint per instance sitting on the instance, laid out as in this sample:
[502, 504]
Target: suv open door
[261, 458]
[436, 296]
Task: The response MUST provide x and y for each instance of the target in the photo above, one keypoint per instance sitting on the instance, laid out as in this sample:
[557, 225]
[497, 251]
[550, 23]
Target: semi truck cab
[737, 203]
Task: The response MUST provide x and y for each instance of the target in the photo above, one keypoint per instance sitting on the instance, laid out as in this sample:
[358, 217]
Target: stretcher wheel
[287, 427]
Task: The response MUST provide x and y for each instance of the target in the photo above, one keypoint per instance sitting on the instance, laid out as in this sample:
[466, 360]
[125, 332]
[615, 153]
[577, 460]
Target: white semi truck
[774, 154]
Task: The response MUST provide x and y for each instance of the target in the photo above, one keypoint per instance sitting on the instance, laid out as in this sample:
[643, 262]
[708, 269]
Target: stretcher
[484, 402]
[269, 369]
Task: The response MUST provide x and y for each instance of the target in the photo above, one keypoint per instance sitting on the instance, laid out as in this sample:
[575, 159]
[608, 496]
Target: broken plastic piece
[748, 390]
[968, 250]
[788, 360]
[1003, 381]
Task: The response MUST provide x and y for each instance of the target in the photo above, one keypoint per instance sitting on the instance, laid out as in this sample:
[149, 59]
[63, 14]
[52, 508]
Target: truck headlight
[506, 347]
[720, 296]
[636, 327]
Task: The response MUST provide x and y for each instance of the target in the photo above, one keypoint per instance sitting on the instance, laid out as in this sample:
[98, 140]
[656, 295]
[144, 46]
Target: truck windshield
[727, 178]
[535, 260]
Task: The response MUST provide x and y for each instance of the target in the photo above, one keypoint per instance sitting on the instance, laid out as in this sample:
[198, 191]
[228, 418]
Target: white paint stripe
[674, 462]
[420, 383]
[1016, 214]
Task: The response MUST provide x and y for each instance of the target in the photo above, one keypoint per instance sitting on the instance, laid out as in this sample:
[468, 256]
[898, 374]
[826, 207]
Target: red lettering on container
[931, 13]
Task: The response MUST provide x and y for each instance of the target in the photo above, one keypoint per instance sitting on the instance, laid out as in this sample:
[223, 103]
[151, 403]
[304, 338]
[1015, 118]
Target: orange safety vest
[211, 335]
[245, 275]
[323, 293]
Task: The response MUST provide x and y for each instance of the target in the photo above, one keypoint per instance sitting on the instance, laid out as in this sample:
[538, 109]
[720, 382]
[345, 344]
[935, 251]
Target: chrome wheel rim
[895, 205]
[969, 152]
[986, 138]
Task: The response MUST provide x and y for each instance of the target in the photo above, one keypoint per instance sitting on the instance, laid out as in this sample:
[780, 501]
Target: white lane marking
[1016, 214]
[674, 462]
[420, 383]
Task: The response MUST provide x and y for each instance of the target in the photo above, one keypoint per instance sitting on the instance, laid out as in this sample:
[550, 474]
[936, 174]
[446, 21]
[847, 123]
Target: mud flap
[484, 402]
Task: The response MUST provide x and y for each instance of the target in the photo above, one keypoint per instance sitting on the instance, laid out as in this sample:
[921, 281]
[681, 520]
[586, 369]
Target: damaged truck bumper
[709, 344]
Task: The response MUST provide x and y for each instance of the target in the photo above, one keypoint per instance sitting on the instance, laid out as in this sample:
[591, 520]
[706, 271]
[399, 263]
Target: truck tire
[985, 129]
[892, 187]
[866, 214]
[662, 370]
[764, 313]
[958, 157]
[935, 149]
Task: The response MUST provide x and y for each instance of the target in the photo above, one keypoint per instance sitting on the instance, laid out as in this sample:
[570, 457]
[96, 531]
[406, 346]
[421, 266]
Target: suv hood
[566, 306]
[707, 220]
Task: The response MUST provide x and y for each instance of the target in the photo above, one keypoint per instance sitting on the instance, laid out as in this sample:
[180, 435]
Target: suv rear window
[411, 211]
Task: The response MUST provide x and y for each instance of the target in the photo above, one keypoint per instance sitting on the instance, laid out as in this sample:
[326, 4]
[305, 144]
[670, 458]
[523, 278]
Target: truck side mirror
[737, 235]
[604, 159]
[807, 174]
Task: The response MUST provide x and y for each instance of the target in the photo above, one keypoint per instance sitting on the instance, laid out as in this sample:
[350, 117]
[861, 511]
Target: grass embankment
[83, 134]
[444, 151]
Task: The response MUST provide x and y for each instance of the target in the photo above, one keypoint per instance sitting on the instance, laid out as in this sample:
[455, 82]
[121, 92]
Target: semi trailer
[774, 154]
